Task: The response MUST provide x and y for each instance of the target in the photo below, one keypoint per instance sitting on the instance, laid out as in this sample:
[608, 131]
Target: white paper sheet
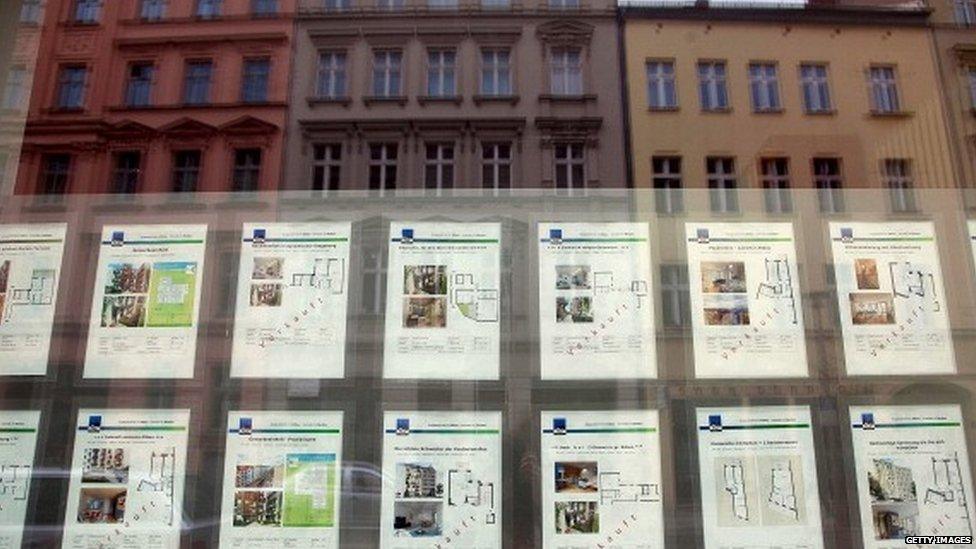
[18, 443]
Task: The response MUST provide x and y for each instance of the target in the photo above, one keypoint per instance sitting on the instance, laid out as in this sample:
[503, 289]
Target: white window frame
[330, 162]
[209, 9]
[87, 11]
[15, 88]
[152, 10]
[255, 83]
[496, 163]
[383, 163]
[965, 12]
[331, 80]
[564, 4]
[971, 85]
[122, 175]
[496, 62]
[883, 81]
[774, 173]
[30, 11]
[81, 84]
[387, 64]
[566, 71]
[131, 81]
[712, 81]
[675, 295]
[441, 72]
[441, 164]
[723, 184]
[667, 184]
[830, 186]
[390, 4]
[764, 86]
[897, 174]
[815, 88]
[661, 90]
[204, 79]
[567, 163]
[249, 171]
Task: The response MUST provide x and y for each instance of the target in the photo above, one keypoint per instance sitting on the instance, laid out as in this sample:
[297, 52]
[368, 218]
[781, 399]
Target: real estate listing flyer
[596, 313]
[745, 300]
[127, 475]
[146, 302]
[292, 289]
[281, 480]
[913, 475]
[442, 480]
[30, 269]
[442, 301]
[891, 298]
[601, 480]
[18, 441]
[758, 474]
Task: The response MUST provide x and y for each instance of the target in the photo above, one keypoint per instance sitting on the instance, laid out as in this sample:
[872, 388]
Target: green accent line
[324, 239]
[756, 239]
[890, 239]
[148, 242]
[449, 431]
[32, 241]
[626, 239]
[17, 430]
[922, 424]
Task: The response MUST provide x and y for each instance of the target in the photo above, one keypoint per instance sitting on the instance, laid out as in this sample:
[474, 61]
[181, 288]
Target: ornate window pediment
[565, 32]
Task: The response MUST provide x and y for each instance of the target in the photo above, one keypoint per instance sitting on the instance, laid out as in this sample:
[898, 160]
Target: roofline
[810, 14]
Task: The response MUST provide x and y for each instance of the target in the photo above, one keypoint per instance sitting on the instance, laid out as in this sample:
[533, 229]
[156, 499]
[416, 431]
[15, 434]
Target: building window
[897, 173]
[30, 11]
[816, 88]
[208, 8]
[712, 86]
[383, 166]
[87, 11]
[14, 88]
[668, 194]
[386, 73]
[55, 173]
[335, 5]
[326, 166]
[496, 166]
[723, 195]
[389, 4]
[496, 72]
[127, 172]
[562, 4]
[196, 87]
[965, 12]
[775, 173]
[827, 180]
[495, 4]
[442, 4]
[971, 80]
[332, 75]
[439, 166]
[374, 278]
[675, 302]
[661, 92]
[764, 87]
[71, 87]
[565, 72]
[254, 80]
[152, 10]
[264, 7]
[884, 90]
[570, 166]
[186, 171]
[440, 73]
[247, 169]
[138, 87]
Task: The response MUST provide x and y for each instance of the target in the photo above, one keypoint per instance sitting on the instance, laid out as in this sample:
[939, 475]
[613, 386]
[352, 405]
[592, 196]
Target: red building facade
[158, 96]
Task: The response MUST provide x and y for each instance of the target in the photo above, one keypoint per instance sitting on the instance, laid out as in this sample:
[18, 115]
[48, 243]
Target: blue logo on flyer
[245, 426]
[846, 234]
[259, 236]
[867, 421]
[406, 236]
[703, 236]
[559, 426]
[555, 236]
[118, 238]
[94, 424]
[715, 423]
[402, 426]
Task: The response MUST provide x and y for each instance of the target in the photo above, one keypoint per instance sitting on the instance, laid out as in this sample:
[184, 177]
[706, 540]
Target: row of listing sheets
[596, 300]
[600, 471]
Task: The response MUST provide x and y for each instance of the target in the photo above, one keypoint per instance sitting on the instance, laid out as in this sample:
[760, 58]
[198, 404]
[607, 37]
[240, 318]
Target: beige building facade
[441, 95]
[822, 97]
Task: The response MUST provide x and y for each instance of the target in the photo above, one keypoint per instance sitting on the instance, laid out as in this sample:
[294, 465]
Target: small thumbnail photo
[418, 518]
[259, 476]
[124, 311]
[105, 465]
[266, 294]
[425, 280]
[726, 310]
[723, 277]
[267, 268]
[128, 278]
[576, 476]
[418, 480]
[4, 275]
[573, 277]
[577, 517]
[872, 308]
[424, 312]
[866, 272]
[102, 505]
[574, 309]
[257, 507]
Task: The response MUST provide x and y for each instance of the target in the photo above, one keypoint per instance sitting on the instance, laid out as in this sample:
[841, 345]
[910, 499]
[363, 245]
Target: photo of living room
[573, 277]
[267, 268]
[577, 476]
[424, 280]
[574, 309]
[424, 312]
[723, 277]
[102, 505]
[872, 308]
[577, 517]
[266, 294]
